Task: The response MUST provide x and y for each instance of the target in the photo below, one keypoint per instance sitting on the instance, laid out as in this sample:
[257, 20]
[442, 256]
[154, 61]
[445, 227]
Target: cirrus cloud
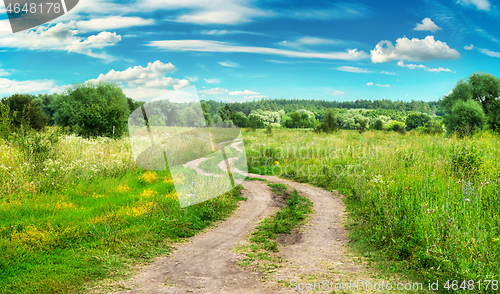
[222, 47]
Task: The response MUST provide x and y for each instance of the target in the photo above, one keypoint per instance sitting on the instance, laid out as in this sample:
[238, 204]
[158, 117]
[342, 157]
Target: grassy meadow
[75, 211]
[429, 201]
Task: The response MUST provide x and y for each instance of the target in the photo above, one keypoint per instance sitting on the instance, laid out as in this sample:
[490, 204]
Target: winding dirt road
[207, 263]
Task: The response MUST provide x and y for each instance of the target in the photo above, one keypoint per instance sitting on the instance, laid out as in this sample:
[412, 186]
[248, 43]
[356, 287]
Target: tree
[206, 112]
[255, 122]
[240, 119]
[92, 109]
[465, 117]
[415, 120]
[378, 124]
[482, 87]
[29, 115]
[329, 123]
[5, 120]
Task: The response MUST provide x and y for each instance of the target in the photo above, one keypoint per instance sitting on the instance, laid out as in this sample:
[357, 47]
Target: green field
[76, 211]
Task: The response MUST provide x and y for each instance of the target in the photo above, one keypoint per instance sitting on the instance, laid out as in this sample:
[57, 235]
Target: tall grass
[428, 200]
[75, 211]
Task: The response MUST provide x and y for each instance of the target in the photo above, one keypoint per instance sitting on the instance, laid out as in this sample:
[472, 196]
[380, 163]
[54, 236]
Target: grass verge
[261, 251]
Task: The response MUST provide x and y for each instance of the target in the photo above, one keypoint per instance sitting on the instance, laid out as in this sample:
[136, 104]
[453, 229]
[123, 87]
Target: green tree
[93, 109]
[206, 112]
[329, 123]
[378, 124]
[240, 119]
[415, 120]
[465, 117]
[482, 87]
[5, 120]
[29, 115]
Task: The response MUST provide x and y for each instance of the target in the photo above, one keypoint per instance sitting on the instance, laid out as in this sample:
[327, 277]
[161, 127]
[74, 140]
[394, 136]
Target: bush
[329, 123]
[29, 115]
[5, 121]
[396, 126]
[378, 125]
[415, 120]
[93, 109]
[465, 117]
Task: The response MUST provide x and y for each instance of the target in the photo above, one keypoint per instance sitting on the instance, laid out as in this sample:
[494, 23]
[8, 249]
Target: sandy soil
[207, 263]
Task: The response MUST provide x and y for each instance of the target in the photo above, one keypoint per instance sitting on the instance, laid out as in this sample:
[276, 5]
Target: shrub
[29, 115]
[415, 120]
[93, 109]
[5, 121]
[465, 117]
[329, 123]
[378, 125]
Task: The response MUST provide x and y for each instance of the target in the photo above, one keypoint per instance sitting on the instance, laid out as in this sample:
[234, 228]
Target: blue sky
[238, 50]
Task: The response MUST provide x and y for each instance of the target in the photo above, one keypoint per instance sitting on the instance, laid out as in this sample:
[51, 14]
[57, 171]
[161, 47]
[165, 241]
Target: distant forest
[319, 107]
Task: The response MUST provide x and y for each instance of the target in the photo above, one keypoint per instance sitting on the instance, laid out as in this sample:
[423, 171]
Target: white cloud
[310, 41]
[192, 79]
[246, 92]
[212, 81]
[145, 82]
[480, 4]
[490, 53]
[385, 86]
[413, 50]
[421, 66]
[427, 25]
[225, 32]
[216, 46]
[9, 87]
[61, 37]
[5, 27]
[112, 23]
[352, 69]
[369, 84]
[229, 64]
[214, 91]
[4, 73]
[387, 73]
[334, 93]
[255, 96]
[469, 47]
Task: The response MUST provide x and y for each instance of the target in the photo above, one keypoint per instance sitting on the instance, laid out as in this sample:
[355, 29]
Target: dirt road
[207, 263]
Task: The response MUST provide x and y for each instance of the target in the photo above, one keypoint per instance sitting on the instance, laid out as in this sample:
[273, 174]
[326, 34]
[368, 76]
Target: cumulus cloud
[61, 37]
[384, 86]
[145, 82]
[490, 53]
[334, 93]
[480, 4]
[192, 79]
[246, 92]
[214, 91]
[421, 66]
[427, 25]
[369, 84]
[413, 50]
[212, 81]
[469, 47]
[216, 46]
[352, 69]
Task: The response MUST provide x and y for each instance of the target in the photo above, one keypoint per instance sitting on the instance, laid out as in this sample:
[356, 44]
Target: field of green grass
[429, 201]
[75, 211]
